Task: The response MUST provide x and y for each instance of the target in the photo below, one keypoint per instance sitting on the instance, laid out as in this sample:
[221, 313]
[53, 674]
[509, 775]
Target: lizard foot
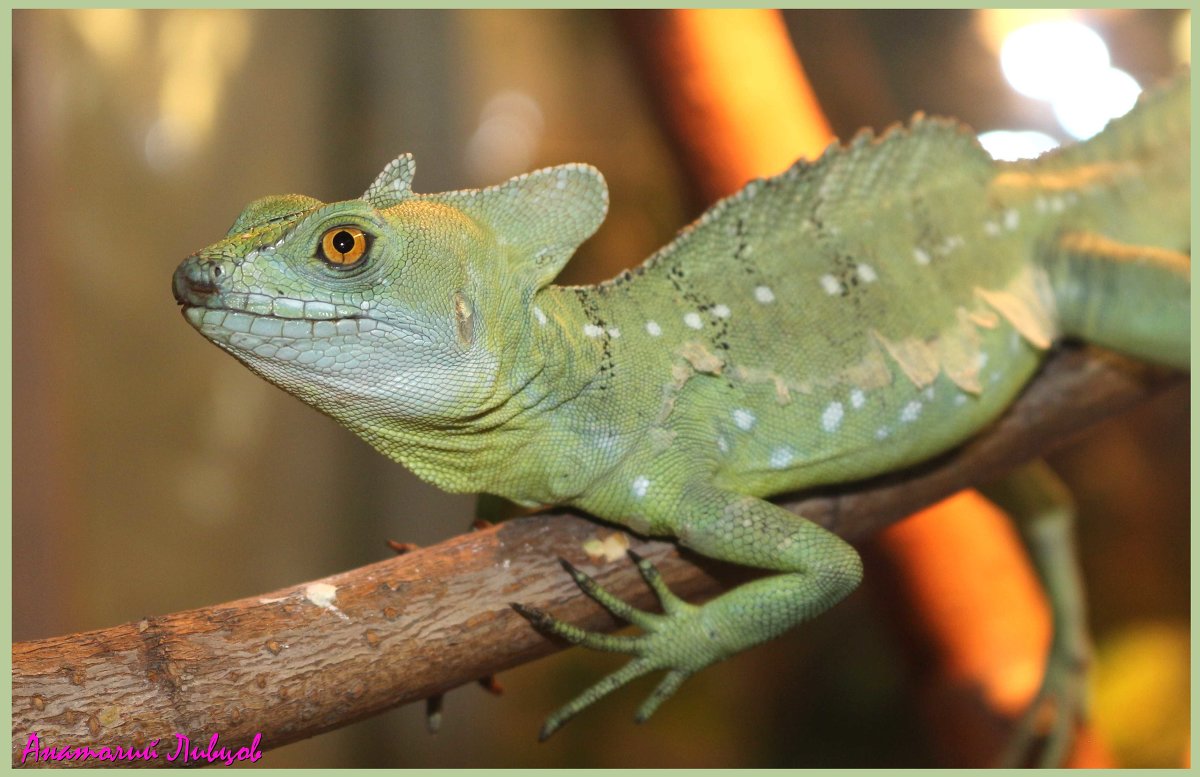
[680, 640]
[1057, 710]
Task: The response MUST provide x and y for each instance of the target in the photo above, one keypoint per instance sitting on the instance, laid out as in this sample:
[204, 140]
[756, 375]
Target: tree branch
[313, 657]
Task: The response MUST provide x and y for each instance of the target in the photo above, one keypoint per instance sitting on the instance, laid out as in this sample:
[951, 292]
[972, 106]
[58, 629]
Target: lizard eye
[344, 247]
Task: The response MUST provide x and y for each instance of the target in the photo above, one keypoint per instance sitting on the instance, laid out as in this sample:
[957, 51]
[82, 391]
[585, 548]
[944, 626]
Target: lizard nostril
[194, 281]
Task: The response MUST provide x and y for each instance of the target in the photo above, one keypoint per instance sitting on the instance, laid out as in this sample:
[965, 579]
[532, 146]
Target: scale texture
[848, 317]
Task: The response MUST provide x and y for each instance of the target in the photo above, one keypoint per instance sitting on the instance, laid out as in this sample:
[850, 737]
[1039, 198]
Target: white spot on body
[831, 419]
[857, 398]
[693, 320]
[744, 419]
[952, 242]
[910, 412]
[640, 485]
[653, 328]
[722, 444]
[721, 311]
[830, 285]
[1012, 219]
[591, 330]
[781, 457]
[920, 255]
[613, 332]
[764, 294]
[537, 313]
[867, 273]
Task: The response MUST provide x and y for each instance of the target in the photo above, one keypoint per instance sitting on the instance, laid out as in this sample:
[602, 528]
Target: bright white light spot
[653, 328]
[764, 294]
[591, 330]
[744, 419]
[1011, 145]
[1048, 60]
[693, 320]
[1104, 96]
[721, 311]
[830, 285]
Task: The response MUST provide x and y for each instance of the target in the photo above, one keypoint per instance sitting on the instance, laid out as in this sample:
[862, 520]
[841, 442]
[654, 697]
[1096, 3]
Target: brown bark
[399, 630]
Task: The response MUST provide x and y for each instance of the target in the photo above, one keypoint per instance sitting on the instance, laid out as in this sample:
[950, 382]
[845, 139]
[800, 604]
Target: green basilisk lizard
[848, 317]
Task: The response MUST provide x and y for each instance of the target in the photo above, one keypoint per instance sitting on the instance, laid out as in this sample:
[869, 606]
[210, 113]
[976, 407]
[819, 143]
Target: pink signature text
[184, 752]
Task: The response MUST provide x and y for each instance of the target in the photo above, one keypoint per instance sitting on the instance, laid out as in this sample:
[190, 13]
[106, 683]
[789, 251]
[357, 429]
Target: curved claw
[670, 603]
[548, 624]
[661, 693]
[597, 593]
[631, 671]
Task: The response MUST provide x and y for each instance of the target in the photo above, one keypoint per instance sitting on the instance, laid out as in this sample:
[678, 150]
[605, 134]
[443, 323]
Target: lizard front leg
[817, 570]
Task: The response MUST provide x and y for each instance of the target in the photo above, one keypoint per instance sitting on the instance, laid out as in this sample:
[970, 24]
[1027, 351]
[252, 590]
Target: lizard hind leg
[818, 569]
[1133, 299]
[1042, 506]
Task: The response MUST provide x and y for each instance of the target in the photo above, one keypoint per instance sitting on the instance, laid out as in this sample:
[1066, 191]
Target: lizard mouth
[197, 289]
[275, 326]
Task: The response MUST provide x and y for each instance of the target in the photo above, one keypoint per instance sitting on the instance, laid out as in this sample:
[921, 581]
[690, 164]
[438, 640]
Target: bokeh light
[1010, 145]
[1103, 96]
[1048, 59]
[1067, 63]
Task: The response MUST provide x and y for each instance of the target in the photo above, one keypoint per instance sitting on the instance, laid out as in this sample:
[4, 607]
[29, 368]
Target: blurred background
[152, 473]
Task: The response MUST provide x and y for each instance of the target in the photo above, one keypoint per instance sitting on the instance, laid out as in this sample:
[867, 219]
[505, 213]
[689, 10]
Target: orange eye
[343, 246]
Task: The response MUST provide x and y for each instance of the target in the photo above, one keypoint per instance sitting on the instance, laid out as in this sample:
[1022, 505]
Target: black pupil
[343, 241]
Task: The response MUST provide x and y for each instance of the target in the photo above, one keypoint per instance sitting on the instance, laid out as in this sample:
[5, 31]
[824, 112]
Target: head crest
[394, 184]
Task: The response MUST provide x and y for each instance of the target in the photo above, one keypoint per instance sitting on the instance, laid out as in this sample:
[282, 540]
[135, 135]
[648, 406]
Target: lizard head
[395, 307]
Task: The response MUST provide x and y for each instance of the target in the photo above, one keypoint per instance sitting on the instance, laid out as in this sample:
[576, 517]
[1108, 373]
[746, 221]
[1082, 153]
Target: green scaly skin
[846, 318]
